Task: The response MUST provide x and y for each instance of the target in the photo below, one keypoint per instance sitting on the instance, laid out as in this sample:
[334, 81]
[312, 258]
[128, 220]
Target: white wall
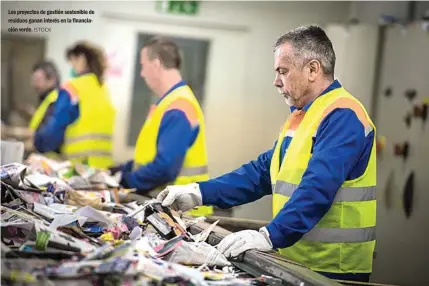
[261, 110]
[370, 11]
[355, 48]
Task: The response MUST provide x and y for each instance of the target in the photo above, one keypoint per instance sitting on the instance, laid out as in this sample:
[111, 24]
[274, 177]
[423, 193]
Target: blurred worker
[45, 80]
[321, 171]
[171, 147]
[83, 121]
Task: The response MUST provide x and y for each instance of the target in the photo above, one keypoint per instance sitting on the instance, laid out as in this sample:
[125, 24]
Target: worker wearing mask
[45, 80]
[83, 120]
[171, 146]
[321, 171]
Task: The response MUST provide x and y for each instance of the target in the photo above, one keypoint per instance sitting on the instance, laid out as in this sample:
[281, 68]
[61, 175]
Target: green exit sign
[178, 7]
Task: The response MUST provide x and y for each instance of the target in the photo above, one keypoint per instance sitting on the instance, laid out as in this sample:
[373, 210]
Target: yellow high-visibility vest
[42, 109]
[40, 114]
[344, 240]
[89, 139]
[194, 168]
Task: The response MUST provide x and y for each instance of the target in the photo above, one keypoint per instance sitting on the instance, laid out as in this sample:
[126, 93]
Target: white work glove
[182, 197]
[236, 243]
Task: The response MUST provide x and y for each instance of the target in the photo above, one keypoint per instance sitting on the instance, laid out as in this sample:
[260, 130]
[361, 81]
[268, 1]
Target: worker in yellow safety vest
[321, 171]
[45, 80]
[83, 120]
[171, 146]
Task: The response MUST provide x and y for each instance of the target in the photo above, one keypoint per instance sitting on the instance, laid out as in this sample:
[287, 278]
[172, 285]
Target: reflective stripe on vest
[338, 235]
[90, 153]
[194, 168]
[187, 171]
[91, 136]
[343, 241]
[344, 194]
[193, 171]
[335, 235]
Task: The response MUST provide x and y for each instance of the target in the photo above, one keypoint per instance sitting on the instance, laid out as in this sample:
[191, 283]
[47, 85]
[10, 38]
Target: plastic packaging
[192, 253]
[12, 173]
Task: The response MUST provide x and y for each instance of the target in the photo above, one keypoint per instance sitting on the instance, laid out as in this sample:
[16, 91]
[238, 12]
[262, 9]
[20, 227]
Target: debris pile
[64, 224]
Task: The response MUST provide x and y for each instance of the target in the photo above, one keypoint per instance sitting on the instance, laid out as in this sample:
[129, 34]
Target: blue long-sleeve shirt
[50, 136]
[340, 152]
[176, 135]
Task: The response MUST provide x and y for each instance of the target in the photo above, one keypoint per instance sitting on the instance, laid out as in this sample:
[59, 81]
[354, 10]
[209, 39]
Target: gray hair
[311, 43]
[49, 69]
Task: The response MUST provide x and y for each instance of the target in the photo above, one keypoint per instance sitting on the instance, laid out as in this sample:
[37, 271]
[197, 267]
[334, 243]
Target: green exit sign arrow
[178, 7]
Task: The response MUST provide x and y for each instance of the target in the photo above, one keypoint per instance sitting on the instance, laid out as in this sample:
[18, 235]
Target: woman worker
[83, 121]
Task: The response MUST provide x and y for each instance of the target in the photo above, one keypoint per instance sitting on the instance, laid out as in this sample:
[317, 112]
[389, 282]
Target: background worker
[83, 120]
[171, 146]
[321, 171]
[45, 80]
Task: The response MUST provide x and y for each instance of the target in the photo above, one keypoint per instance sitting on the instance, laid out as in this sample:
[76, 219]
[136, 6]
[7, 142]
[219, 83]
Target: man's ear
[315, 69]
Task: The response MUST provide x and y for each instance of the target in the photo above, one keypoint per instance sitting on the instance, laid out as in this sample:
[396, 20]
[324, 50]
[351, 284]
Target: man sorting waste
[45, 80]
[321, 171]
[171, 147]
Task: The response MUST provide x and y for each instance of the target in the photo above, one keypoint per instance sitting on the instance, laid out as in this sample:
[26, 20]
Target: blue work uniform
[340, 132]
[176, 135]
[49, 136]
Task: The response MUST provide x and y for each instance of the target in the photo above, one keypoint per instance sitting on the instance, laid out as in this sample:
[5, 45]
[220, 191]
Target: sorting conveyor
[271, 263]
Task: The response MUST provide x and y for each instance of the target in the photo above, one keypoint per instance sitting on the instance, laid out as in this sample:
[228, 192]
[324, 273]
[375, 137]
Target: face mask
[73, 74]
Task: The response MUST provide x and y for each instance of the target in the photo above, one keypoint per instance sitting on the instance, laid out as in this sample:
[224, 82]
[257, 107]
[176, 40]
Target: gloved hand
[236, 243]
[182, 197]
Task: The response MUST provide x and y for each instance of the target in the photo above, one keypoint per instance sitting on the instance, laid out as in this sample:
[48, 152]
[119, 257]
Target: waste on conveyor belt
[64, 224]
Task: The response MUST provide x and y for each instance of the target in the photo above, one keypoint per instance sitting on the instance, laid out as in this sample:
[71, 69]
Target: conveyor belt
[258, 263]
[272, 264]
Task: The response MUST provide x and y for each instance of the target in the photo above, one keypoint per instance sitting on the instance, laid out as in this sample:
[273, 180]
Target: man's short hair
[311, 42]
[49, 69]
[165, 50]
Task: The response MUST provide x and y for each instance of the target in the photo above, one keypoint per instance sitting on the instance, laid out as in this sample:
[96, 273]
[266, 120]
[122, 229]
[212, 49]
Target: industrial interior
[209, 143]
